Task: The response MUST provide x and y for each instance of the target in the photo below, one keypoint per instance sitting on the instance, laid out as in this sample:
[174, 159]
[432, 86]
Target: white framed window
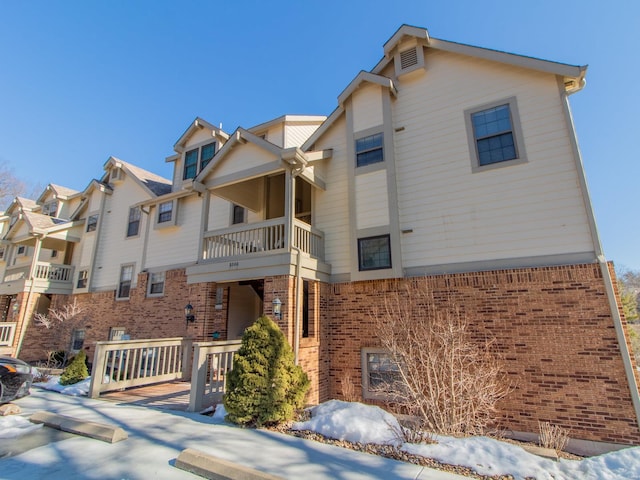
[379, 373]
[54, 253]
[133, 225]
[2, 249]
[197, 159]
[156, 284]
[77, 340]
[370, 149]
[374, 253]
[165, 212]
[22, 250]
[124, 285]
[50, 208]
[495, 136]
[83, 279]
[92, 223]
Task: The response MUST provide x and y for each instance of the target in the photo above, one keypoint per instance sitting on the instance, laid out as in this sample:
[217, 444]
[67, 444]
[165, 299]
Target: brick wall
[553, 328]
[141, 316]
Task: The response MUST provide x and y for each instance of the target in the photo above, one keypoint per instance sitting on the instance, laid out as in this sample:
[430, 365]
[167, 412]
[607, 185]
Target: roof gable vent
[409, 60]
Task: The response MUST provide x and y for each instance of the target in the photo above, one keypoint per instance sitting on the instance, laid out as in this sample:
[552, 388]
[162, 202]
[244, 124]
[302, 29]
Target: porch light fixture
[188, 313]
[277, 308]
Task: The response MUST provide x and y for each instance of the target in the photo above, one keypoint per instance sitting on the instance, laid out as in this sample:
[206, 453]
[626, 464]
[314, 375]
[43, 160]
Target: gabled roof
[573, 75]
[63, 193]
[93, 184]
[240, 136]
[154, 184]
[197, 125]
[24, 204]
[574, 72]
[363, 77]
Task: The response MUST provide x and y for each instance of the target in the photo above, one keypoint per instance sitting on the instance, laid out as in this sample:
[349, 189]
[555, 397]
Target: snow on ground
[77, 389]
[356, 422]
[14, 426]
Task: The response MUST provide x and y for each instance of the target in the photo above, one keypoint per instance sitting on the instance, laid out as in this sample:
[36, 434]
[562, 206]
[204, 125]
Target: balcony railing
[260, 238]
[7, 331]
[53, 273]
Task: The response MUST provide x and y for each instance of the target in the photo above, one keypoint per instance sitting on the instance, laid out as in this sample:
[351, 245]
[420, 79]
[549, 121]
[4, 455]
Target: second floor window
[133, 227]
[92, 223]
[369, 150]
[195, 160]
[165, 212]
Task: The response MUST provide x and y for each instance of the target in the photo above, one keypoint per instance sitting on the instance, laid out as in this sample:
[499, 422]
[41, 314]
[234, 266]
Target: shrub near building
[265, 386]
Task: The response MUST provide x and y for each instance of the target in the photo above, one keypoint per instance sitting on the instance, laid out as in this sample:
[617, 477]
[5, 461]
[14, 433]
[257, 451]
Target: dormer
[288, 130]
[406, 47]
[56, 201]
[194, 150]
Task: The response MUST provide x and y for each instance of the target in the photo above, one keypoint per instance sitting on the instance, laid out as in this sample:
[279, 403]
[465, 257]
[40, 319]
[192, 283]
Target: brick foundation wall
[141, 316]
[553, 328]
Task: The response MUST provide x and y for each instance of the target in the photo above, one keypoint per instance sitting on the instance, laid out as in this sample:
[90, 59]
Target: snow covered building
[447, 168]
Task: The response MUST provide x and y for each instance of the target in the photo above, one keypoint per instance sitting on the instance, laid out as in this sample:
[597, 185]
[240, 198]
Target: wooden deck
[168, 396]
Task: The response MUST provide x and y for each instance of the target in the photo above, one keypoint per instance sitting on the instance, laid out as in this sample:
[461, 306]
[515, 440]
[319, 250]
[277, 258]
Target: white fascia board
[404, 31]
[366, 77]
[198, 124]
[322, 128]
[288, 119]
[556, 68]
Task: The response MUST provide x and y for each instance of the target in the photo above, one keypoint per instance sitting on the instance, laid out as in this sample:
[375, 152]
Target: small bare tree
[60, 320]
[446, 379]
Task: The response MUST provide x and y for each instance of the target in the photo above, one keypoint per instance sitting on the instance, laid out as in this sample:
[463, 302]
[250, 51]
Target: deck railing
[53, 272]
[212, 361]
[262, 237]
[132, 363]
[7, 331]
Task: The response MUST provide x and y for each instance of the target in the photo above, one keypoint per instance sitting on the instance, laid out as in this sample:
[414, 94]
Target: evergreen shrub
[265, 386]
[76, 371]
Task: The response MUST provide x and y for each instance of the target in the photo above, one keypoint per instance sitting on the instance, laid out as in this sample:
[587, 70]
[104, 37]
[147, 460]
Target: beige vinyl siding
[93, 204]
[331, 213]
[177, 245]
[372, 208]
[297, 134]
[219, 213]
[275, 135]
[114, 249]
[367, 107]
[243, 157]
[523, 210]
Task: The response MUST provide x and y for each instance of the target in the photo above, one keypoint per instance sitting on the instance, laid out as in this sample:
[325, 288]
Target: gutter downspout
[600, 258]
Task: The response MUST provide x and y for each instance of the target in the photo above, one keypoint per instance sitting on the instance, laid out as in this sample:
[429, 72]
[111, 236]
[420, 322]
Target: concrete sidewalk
[156, 438]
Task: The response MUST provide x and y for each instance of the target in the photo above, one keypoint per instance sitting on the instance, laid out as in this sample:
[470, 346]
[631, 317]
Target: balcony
[260, 249]
[258, 239]
[47, 278]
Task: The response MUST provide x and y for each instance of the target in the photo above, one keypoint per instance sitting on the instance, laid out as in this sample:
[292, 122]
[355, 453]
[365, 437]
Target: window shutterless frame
[495, 135]
[369, 149]
[374, 253]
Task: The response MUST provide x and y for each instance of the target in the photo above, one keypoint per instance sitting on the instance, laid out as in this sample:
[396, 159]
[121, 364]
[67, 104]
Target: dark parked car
[15, 379]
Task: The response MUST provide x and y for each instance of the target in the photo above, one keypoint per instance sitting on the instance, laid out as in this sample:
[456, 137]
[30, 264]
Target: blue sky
[83, 80]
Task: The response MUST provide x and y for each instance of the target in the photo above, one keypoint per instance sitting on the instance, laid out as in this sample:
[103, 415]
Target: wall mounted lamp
[277, 308]
[188, 313]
